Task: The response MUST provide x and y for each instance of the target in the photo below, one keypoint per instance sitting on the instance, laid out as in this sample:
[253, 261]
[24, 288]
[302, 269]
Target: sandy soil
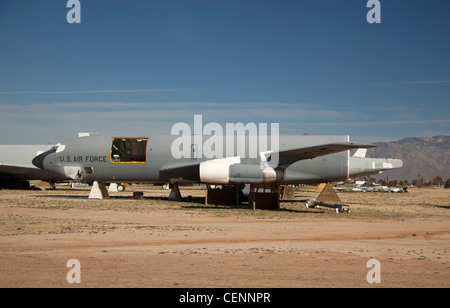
[122, 242]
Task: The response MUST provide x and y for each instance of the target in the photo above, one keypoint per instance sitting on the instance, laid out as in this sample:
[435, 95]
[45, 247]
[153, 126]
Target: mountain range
[425, 158]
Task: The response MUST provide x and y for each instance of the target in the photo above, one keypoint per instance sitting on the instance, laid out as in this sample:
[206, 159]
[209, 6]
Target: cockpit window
[58, 148]
[129, 150]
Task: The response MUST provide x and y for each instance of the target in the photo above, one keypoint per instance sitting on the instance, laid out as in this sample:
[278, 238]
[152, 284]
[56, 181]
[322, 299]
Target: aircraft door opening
[129, 150]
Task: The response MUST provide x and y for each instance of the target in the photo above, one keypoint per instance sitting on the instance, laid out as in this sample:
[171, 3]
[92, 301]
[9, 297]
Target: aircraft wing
[289, 157]
[180, 172]
[190, 171]
[29, 173]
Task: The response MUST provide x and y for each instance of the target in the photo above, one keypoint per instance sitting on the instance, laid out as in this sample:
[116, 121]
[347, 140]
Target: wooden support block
[287, 192]
[222, 196]
[267, 201]
[138, 195]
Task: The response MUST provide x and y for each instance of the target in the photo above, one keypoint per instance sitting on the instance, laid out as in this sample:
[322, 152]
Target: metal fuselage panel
[92, 157]
[328, 168]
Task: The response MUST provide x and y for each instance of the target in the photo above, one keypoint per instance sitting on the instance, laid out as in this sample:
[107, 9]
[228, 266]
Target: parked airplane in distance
[16, 167]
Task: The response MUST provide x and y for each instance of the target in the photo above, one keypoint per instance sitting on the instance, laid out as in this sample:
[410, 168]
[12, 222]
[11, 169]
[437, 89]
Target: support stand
[113, 187]
[329, 195]
[328, 198]
[175, 194]
[287, 192]
[98, 191]
[265, 197]
[227, 195]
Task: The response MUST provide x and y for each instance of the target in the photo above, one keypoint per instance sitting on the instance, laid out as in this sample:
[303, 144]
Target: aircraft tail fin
[360, 153]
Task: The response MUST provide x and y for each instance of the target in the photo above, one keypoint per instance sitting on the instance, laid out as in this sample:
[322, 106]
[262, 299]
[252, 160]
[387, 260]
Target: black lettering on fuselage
[94, 159]
[81, 159]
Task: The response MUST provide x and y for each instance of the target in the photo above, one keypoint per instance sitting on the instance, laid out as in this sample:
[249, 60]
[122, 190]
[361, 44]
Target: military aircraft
[16, 168]
[300, 159]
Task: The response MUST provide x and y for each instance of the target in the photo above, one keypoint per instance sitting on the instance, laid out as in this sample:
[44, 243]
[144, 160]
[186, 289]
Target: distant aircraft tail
[360, 153]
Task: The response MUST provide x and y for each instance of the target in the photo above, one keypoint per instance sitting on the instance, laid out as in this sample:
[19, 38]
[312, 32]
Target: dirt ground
[122, 242]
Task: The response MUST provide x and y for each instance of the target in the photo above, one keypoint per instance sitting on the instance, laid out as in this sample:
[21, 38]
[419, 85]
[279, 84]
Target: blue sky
[138, 67]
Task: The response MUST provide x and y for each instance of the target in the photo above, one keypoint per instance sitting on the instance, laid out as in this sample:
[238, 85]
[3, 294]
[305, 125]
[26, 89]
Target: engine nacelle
[230, 170]
[253, 174]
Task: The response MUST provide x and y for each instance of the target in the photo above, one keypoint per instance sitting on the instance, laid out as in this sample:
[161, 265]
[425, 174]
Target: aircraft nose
[38, 161]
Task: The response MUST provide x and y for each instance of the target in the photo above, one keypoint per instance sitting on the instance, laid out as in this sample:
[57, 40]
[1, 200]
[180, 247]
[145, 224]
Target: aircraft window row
[129, 150]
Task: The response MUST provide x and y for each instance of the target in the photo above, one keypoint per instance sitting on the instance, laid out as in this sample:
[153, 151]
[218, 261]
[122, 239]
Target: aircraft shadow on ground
[192, 203]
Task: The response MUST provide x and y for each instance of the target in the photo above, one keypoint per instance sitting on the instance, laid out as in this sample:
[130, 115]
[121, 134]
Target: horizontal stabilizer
[291, 156]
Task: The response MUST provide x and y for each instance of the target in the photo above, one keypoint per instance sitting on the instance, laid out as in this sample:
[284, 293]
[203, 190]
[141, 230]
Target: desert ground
[154, 242]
